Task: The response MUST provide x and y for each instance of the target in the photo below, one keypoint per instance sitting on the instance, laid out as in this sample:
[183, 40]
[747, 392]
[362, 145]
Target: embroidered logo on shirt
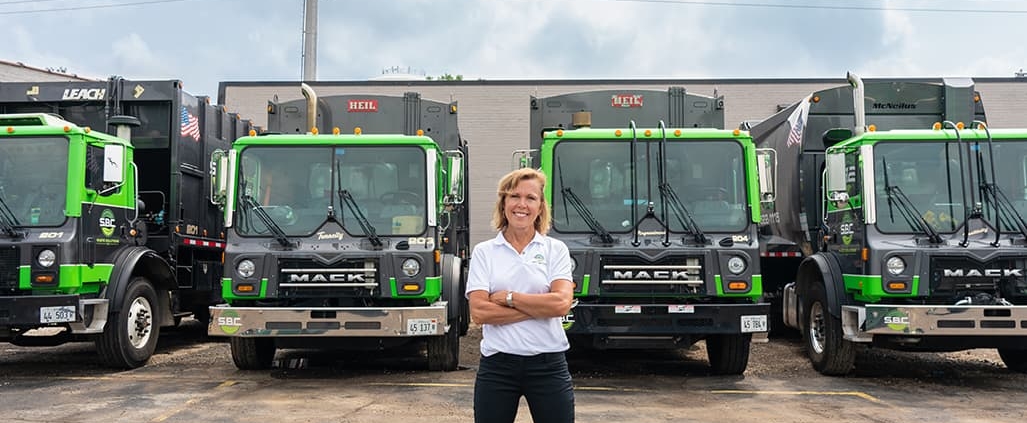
[539, 259]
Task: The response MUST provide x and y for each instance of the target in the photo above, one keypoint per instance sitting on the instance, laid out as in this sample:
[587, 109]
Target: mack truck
[345, 241]
[107, 238]
[659, 208]
[898, 223]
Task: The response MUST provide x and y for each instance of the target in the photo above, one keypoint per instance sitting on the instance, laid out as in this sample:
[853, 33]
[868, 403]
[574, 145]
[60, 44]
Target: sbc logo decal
[896, 320]
[107, 223]
[229, 322]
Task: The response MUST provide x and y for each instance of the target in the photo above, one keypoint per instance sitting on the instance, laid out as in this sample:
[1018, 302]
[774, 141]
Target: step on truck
[107, 239]
[898, 223]
[658, 208]
[349, 241]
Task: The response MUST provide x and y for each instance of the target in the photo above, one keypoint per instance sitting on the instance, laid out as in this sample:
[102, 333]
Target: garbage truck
[898, 222]
[659, 207]
[107, 238]
[345, 241]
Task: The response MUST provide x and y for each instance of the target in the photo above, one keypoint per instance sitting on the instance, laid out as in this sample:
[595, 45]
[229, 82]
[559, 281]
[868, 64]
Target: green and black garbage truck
[355, 240]
[107, 238]
[659, 207]
[898, 223]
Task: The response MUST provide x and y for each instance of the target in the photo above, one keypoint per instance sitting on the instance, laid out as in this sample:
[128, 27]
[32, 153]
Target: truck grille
[351, 277]
[674, 275]
[9, 256]
[950, 275]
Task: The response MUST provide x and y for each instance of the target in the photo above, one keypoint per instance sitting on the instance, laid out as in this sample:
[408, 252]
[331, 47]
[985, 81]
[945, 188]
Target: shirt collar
[501, 240]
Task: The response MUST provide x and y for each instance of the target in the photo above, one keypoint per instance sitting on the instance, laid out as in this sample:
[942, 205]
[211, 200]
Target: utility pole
[310, 40]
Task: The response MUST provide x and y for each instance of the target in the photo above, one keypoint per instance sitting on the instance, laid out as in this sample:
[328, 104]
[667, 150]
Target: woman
[519, 287]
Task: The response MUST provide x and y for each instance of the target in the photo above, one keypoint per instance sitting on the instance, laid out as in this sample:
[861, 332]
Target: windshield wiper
[346, 198]
[267, 220]
[669, 197]
[583, 210]
[8, 221]
[1003, 206]
[908, 211]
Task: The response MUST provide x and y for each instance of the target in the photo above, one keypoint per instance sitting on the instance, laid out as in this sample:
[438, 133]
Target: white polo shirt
[496, 266]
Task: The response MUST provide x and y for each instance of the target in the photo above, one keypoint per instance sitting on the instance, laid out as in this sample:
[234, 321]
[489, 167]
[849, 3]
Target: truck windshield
[1010, 177]
[33, 179]
[708, 176]
[297, 185]
[928, 173]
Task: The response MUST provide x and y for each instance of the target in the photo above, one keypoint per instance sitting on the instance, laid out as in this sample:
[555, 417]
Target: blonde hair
[507, 184]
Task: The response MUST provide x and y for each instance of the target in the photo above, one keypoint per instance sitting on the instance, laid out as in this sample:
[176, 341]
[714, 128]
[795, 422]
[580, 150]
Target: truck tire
[728, 353]
[253, 353]
[1015, 359]
[444, 351]
[130, 336]
[828, 351]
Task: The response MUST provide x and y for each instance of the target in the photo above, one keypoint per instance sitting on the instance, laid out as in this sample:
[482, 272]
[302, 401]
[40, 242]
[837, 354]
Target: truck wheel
[829, 353]
[130, 336]
[252, 353]
[444, 351]
[728, 354]
[1015, 359]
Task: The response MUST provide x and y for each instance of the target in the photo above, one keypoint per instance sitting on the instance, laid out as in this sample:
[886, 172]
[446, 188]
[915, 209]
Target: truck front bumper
[861, 323]
[667, 319]
[35, 311]
[328, 321]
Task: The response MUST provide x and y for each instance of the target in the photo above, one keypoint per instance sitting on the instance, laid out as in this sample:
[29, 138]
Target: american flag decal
[190, 125]
[797, 122]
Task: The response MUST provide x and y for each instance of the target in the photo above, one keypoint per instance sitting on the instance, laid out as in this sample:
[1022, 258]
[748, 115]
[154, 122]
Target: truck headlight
[411, 267]
[46, 258]
[736, 265]
[896, 266]
[245, 268]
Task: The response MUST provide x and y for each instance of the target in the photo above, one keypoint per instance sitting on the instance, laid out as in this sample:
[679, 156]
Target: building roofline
[33, 68]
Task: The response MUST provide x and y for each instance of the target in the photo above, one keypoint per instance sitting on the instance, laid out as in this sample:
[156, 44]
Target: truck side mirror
[522, 159]
[766, 165]
[455, 170]
[836, 178]
[218, 182]
[113, 164]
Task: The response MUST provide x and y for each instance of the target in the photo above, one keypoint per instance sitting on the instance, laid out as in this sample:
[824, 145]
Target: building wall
[494, 114]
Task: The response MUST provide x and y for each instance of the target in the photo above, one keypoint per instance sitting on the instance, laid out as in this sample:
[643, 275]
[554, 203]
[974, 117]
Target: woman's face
[523, 204]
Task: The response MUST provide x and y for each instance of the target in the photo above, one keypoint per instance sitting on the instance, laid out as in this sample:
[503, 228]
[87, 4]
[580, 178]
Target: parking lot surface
[191, 378]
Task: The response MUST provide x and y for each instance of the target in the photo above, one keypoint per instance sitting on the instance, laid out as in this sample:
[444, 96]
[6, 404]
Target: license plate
[754, 324]
[422, 327]
[681, 308]
[59, 314]
[628, 309]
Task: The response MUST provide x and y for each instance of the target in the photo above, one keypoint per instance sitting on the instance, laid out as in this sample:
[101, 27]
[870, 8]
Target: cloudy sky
[203, 42]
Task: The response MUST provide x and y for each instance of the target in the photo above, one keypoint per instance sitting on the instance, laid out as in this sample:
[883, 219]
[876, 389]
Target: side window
[853, 174]
[94, 168]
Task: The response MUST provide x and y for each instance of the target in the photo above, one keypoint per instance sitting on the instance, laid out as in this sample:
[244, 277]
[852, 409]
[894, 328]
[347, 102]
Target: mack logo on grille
[972, 273]
[668, 275]
[319, 277]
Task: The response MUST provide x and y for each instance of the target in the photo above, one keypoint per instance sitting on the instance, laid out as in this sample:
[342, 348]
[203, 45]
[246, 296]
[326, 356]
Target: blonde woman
[519, 286]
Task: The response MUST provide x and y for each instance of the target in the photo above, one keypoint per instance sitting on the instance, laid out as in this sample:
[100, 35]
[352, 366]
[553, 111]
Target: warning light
[420, 132]
[336, 130]
[559, 132]
[357, 130]
[617, 132]
[648, 133]
[677, 132]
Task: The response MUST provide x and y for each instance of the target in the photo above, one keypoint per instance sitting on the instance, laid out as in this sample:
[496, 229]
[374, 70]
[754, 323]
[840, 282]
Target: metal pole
[310, 40]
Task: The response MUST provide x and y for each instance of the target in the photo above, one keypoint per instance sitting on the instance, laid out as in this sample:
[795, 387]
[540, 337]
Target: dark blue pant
[542, 379]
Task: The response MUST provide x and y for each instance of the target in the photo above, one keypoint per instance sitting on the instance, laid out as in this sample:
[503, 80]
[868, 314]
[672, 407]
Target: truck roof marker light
[357, 130]
[617, 132]
[88, 129]
[559, 132]
[420, 132]
[960, 126]
[936, 126]
[648, 133]
[872, 128]
[314, 130]
[980, 126]
[253, 133]
[336, 130]
[452, 108]
[736, 132]
[10, 129]
[815, 99]
[67, 128]
[677, 132]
